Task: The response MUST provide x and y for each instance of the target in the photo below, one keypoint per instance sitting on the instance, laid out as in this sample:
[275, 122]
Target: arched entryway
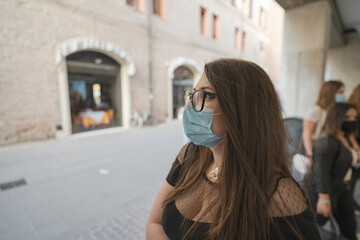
[104, 53]
[94, 91]
[183, 74]
[183, 81]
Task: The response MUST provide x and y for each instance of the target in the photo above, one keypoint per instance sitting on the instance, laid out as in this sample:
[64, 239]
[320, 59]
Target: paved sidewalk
[90, 187]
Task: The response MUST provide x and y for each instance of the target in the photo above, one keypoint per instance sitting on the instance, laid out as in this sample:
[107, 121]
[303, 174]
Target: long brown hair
[254, 151]
[327, 93]
[336, 116]
[355, 97]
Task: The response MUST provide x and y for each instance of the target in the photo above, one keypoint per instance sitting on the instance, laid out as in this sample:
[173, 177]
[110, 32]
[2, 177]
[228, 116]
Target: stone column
[306, 40]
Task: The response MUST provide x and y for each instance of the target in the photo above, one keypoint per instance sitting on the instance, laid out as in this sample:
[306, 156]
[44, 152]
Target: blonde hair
[327, 93]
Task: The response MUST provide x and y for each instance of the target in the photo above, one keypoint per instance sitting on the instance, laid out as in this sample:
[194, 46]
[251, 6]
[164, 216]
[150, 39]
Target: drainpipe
[150, 49]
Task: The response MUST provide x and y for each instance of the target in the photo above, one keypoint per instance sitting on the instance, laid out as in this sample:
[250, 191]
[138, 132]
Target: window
[262, 18]
[139, 4]
[244, 42]
[159, 8]
[237, 38]
[204, 22]
[215, 27]
[246, 7]
[130, 2]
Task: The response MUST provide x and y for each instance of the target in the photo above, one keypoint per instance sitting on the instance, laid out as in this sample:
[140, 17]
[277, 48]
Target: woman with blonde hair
[313, 124]
[232, 181]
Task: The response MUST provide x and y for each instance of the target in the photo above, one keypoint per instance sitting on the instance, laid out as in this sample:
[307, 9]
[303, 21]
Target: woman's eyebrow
[204, 88]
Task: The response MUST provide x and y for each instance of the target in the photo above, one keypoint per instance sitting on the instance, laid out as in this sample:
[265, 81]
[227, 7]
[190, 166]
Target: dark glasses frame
[204, 94]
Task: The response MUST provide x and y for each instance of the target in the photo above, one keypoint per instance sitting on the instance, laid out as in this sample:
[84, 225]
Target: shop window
[92, 77]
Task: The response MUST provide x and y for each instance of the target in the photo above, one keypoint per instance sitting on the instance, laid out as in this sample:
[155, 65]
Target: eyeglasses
[198, 99]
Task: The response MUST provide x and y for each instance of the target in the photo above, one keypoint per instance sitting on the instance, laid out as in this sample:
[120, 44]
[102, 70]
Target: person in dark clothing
[232, 181]
[333, 158]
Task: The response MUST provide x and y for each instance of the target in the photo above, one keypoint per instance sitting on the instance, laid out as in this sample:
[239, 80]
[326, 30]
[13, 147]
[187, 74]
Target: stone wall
[343, 63]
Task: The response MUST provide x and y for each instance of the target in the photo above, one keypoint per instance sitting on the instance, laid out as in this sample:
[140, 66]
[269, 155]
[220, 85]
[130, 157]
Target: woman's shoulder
[288, 199]
[314, 113]
[183, 152]
[316, 108]
[290, 210]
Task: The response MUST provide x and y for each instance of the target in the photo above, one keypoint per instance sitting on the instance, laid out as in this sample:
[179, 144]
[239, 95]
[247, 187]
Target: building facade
[74, 66]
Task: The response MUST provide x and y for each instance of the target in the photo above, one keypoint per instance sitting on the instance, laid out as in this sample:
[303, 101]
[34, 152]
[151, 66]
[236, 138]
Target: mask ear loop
[213, 114]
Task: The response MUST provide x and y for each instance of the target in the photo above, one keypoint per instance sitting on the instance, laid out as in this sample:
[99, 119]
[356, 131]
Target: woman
[233, 180]
[333, 157]
[355, 99]
[355, 141]
[330, 92]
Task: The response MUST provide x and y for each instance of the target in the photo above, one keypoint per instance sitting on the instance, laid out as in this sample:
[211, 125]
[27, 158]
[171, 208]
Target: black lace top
[177, 217]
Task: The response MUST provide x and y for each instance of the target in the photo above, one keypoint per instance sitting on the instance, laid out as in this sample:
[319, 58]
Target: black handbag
[330, 234]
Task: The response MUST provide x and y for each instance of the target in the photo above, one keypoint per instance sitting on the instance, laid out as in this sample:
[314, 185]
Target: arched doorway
[94, 91]
[183, 81]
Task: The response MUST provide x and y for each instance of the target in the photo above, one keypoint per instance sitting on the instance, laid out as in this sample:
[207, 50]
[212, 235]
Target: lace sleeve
[290, 211]
[288, 199]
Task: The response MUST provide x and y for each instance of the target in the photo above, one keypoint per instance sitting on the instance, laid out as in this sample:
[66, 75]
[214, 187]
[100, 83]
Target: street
[86, 187]
[97, 186]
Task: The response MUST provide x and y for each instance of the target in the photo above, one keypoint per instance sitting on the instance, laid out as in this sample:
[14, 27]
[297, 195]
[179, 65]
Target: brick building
[74, 66]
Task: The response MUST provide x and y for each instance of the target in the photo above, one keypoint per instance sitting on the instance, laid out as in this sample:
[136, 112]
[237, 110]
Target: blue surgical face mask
[197, 127]
[340, 98]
